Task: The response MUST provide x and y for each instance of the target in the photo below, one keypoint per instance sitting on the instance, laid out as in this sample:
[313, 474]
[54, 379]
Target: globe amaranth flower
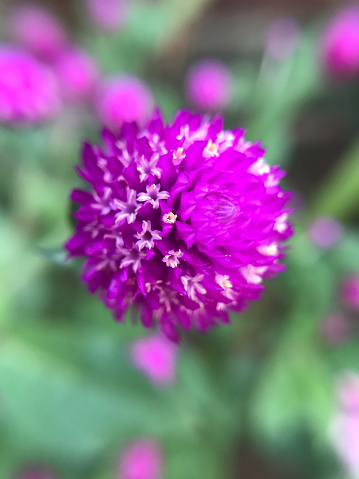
[209, 85]
[143, 459]
[340, 44]
[182, 222]
[107, 14]
[123, 99]
[37, 30]
[28, 90]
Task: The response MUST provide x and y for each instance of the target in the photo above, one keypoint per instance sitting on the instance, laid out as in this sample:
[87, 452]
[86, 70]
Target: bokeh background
[275, 394]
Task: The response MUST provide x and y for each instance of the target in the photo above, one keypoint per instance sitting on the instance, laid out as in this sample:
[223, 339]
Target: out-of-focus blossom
[325, 232]
[345, 430]
[28, 90]
[124, 99]
[39, 31]
[283, 37]
[35, 473]
[340, 44]
[77, 73]
[350, 291]
[107, 14]
[156, 357]
[208, 85]
[182, 222]
[142, 459]
[335, 328]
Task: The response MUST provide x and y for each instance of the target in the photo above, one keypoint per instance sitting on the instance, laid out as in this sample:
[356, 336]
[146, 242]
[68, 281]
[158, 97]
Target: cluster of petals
[28, 89]
[182, 222]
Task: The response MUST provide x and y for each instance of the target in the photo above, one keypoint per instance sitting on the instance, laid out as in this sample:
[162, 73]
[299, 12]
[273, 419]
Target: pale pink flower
[141, 460]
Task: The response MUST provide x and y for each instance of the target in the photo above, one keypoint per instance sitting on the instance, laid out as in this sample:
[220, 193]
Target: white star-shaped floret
[192, 285]
[178, 156]
[253, 274]
[268, 250]
[153, 195]
[148, 167]
[128, 209]
[211, 150]
[281, 223]
[147, 236]
[132, 257]
[172, 258]
[224, 282]
[103, 203]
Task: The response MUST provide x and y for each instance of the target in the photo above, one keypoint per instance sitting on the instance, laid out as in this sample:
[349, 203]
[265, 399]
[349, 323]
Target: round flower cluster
[28, 90]
[182, 222]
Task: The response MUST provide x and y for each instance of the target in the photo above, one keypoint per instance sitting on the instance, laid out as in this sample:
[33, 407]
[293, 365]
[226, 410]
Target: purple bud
[340, 44]
[208, 85]
[156, 357]
[77, 73]
[124, 99]
[283, 37]
[39, 31]
[350, 291]
[335, 329]
[141, 460]
[107, 14]
[325, 232]
[29, 92]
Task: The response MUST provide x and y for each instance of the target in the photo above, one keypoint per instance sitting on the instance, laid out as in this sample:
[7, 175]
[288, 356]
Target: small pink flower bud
[39, 31]
[350, 291]
[141, 460]
[208, 85]
[325, 232]
[156, 357]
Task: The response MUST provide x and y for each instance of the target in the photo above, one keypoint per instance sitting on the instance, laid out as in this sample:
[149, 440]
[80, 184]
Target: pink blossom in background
[141, 460]
[208, 85]
[124, 99]
[29, 92]
[156, 357]
[77, 73]
[350, 291]
[345, 428]
[325, 232]
[340, 44]
[335, 328]
[107, 14]
[37, 30]
[283, 38]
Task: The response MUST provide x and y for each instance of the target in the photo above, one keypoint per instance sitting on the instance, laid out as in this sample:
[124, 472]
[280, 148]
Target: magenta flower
[28, 90]
[107, 14]
[37, 30]
[123, 99]
[208, 85]
[350, 291]
[340, 44]
[182, 222]
[156, 357]
[325, 232]
[335, 328]
[77, 73]
[345, 430]
[141, 460]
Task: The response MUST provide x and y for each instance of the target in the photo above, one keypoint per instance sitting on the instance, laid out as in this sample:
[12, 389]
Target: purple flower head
[28, 90]
[123, 99]
[141, 460]
[156, 357]
[37, 30]
[325, 232]
[208, 85]
[350, 291]
[335, 329]
[77, 73]
[345, 427]
[340, 44]
[182, 222]
[107, 14]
